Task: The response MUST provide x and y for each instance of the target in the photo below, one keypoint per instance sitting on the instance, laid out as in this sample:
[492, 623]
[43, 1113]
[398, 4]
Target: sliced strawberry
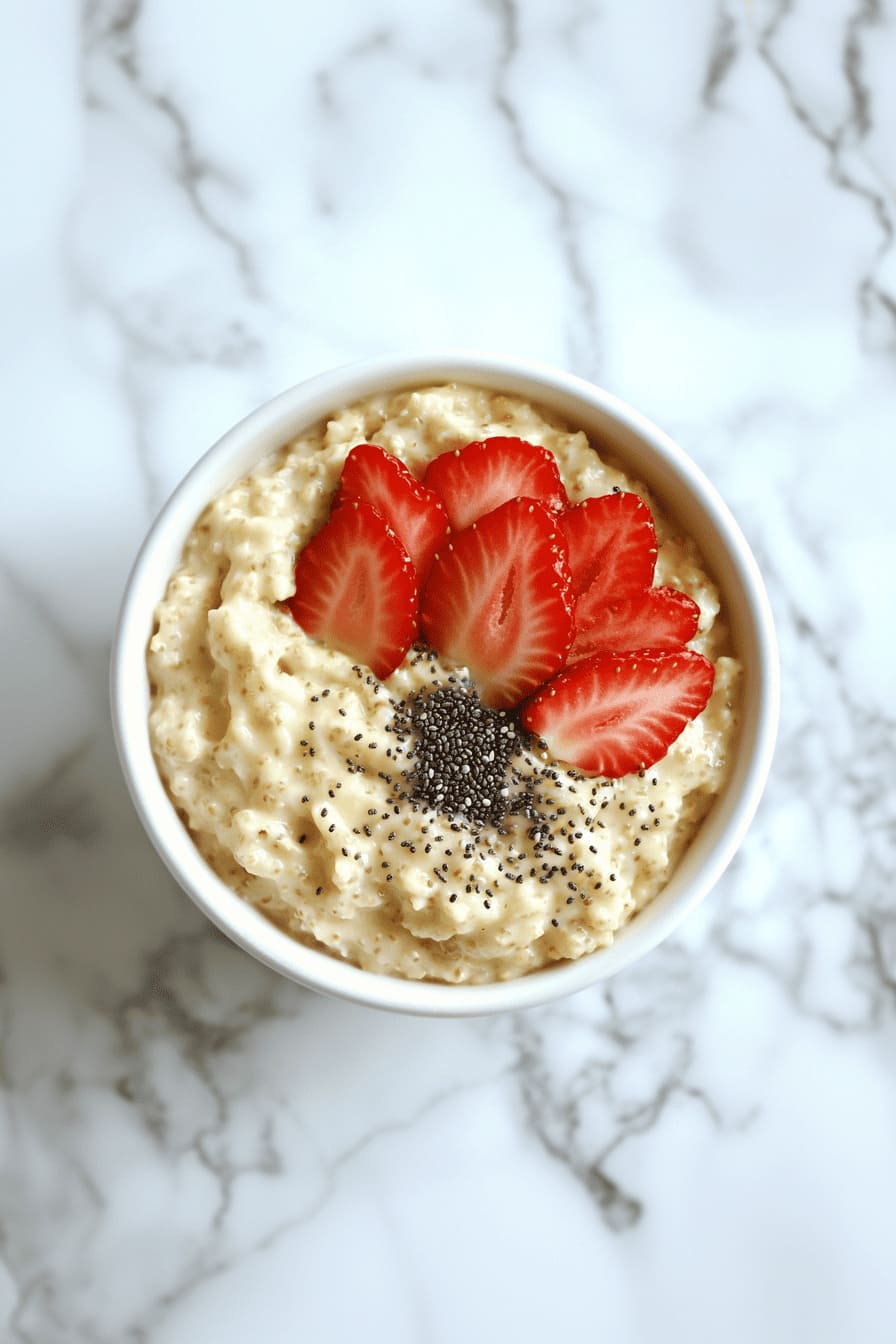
[474, 480]
[417, 514]
[612, 550]
[612, 715]
[661, 618]
[498, 600]
[356, 588]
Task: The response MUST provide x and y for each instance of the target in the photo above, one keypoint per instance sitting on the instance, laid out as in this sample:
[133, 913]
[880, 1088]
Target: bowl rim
[276, 422]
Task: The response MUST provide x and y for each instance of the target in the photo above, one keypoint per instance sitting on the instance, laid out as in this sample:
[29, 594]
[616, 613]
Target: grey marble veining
[694, 207]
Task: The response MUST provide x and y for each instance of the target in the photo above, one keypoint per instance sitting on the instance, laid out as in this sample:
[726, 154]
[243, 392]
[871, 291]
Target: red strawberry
[615, 714]
[474, 480]
[498, 600]
[356, 588]
[417, 515]
[612, 550]
[661, 618]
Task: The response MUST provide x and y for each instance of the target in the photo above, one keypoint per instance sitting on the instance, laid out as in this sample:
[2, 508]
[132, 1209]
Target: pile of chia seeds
[461, 754]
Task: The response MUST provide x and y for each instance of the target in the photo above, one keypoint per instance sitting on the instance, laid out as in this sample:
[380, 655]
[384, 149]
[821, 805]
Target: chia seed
[461, 754]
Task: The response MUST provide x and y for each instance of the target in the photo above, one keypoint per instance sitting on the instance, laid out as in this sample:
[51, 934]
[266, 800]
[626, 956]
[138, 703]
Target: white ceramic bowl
[683, 490]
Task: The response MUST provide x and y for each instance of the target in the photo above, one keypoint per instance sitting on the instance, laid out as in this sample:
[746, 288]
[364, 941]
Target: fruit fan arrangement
[550, 605]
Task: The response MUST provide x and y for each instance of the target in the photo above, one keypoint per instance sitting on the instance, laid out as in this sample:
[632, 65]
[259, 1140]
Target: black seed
[460, 755]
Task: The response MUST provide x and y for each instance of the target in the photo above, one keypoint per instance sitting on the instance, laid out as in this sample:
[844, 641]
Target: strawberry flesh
[498, 601]
[474, 480]
[661, 618]
[612, 551]
[415, 513]
[612, 715]
[356, 588]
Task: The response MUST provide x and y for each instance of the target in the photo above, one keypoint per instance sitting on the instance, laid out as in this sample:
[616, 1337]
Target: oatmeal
[307, 783]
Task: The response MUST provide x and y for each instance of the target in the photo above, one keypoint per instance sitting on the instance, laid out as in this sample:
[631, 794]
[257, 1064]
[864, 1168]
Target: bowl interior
[643, 450]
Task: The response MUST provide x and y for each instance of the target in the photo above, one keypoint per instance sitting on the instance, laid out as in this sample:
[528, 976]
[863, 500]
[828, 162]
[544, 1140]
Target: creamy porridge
[293, 766]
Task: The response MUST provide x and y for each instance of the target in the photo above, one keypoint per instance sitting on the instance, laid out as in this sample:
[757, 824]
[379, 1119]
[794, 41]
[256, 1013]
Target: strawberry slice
[612, 715]
[356, 588]
[416, 514]
[498, 600]
[474, 480]
[661, 618]
[612, 551]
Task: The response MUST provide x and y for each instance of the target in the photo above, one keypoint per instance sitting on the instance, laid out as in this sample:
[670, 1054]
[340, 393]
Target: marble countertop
[693, 206]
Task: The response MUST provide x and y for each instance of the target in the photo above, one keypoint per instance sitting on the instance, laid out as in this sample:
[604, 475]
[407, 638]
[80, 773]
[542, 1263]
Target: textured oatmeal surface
[289, 764]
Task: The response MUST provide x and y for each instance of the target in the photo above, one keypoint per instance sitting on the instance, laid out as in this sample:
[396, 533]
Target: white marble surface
[691, 204]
